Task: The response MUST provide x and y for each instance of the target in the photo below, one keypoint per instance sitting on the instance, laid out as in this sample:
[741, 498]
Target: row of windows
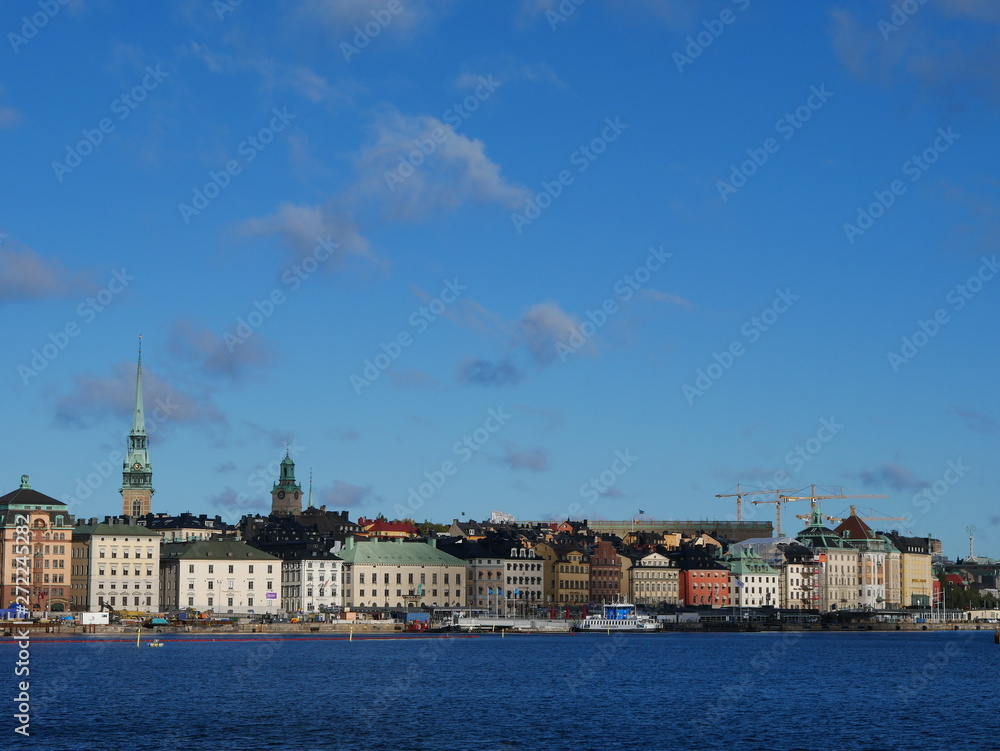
[112, 601]
[399, 593]
[399, 578]
[232, 568]
[114, 585]
[102, 553]
[211, 602]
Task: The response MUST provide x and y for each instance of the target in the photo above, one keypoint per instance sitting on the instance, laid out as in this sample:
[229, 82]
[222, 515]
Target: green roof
[125, 530]
[215, 550]
[396, 554]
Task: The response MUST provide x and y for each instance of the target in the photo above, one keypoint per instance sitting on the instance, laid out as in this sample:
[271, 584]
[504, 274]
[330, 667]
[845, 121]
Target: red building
[705, 587]
[605, 572]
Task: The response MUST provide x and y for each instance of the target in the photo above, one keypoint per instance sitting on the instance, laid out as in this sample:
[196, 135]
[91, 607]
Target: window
[190, 568]
[230, 568]
[211, 585]
[270, 585]
[399, 580]
[230, 584]
[249, 602]
[191, 585]
[190, 602]
[211, 568]
[361, 580]
[251, 568]
[250, 584]
[269, 569]
[230, 602]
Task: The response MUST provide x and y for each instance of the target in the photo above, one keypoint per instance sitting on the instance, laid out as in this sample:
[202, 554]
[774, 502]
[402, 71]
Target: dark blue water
[587, 692]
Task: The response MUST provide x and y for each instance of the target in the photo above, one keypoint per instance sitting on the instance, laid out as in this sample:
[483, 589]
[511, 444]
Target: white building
[311, 585]
[226, 577]
[115, 566]
[753, 582]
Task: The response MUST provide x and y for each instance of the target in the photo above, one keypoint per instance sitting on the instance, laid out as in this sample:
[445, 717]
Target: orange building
[40, 526]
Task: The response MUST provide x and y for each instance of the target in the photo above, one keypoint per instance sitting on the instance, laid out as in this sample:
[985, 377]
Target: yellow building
[915, 575]
[567, 573]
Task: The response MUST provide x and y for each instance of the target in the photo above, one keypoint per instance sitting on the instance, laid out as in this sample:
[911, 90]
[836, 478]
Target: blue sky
[630, 253]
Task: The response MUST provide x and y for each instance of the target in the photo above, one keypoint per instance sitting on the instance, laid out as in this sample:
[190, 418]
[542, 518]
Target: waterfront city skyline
[678, 246]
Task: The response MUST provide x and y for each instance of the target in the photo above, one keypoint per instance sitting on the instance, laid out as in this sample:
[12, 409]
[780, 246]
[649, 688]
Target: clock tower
[286, 497]
[137, 473]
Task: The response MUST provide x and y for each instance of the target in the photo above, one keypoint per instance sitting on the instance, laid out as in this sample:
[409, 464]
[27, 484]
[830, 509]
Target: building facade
[653, 580]
[224, 577]
[312, 584]
[116, 567]
[605, 571]
[566, 573]
[753, 582]
[397, 574]
[36, 537]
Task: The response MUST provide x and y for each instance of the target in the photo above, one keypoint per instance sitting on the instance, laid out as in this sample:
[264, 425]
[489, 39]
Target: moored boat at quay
[618, 616]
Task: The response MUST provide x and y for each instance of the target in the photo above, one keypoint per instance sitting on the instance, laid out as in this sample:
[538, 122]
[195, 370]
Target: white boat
[618, 616]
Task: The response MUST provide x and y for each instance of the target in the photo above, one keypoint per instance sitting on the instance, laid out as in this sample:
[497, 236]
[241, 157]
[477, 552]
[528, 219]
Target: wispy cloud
[977, 421]
[93, 399]
[533, 339]
[207, 353]
[346, 495]
[891, 475]
[413, 379]
[479, 372]
[926, 54]
[535, 459]
[26, 275]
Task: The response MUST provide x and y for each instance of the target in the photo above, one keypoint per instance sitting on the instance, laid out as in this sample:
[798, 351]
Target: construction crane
[813, 498]
[738, 495]
[854, 512]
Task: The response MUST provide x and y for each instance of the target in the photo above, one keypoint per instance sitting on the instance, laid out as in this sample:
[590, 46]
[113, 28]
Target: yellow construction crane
[813, 498]
[738, 495]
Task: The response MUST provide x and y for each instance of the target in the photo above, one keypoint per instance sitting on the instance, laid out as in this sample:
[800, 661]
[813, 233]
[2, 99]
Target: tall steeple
[137, 473]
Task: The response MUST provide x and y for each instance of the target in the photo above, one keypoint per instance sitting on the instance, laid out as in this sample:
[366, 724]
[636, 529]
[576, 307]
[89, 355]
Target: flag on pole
[641, 512]
[739, 583]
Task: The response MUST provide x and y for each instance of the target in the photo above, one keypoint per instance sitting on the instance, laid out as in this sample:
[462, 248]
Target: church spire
[138, 421]
[137, 473]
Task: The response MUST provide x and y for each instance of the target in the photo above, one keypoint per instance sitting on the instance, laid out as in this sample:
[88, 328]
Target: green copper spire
[138, 421]
[138, 472]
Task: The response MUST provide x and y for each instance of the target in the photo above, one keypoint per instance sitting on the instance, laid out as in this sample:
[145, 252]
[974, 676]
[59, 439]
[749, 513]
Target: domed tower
[286, 496]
